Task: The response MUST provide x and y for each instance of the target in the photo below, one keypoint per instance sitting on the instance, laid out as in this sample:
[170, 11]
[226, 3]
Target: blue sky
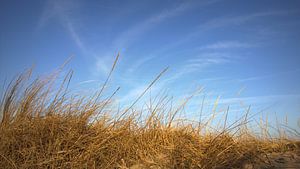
[246, 52]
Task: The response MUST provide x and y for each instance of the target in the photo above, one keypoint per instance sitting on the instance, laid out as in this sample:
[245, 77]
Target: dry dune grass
[46, 128]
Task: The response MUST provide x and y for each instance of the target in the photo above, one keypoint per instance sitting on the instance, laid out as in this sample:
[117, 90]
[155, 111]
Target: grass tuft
[44, 127]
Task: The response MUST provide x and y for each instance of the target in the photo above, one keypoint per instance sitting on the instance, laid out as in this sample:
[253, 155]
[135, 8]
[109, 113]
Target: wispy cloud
[140, 62]
[200, 63]
[216, 58]
[205, 60]
[227, 45]
[220, 22]
[134, 33]
[272, 75]
[129, 36]
[75, 36]
[88, 82]
[210, 58]
[103, 64]
[132, 94]
[241, 103]
[238, 20]
[62, 10]
[259, 99]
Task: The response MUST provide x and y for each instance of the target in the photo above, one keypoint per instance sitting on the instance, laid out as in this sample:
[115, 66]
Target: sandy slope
[278, 161]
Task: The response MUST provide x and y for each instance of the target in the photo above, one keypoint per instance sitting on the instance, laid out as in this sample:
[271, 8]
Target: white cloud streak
[243, 103]
[88, 82]
[62, 10]
[216, 58]
[227, 45]
[238, 20]
[201, 62]
[221, 22]
[140, 62]
[253, 78]
[128, 37]
[134, 33]
[133, 93]
[259, 99]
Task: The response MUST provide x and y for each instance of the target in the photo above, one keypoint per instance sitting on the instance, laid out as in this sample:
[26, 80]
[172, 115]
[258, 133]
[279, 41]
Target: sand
[288, 160]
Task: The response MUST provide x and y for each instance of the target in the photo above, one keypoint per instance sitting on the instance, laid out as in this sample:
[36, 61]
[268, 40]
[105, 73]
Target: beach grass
[43, 126]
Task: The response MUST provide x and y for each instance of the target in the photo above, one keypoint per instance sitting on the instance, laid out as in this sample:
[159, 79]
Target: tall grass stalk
[44, 127]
